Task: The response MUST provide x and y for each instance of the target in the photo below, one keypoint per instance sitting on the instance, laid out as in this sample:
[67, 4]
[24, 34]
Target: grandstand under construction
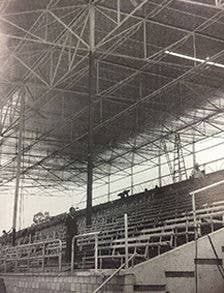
[116, 105]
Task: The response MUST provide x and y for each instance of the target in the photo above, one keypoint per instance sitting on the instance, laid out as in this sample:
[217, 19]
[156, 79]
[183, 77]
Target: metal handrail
[207, 187]
[114, 274]
[36, 244]
[95, 234]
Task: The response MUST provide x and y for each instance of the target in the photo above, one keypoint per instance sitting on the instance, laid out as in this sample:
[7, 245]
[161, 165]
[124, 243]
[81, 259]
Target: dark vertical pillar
[159, 169]
[18, 170]
[90, 143]
[91, 116]
[193, 152]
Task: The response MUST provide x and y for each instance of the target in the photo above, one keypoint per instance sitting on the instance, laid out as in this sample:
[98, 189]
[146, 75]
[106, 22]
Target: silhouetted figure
[71, 231]
[197, 173]
[121, 195]
[4, 233]
[5, 238]
[124, 193]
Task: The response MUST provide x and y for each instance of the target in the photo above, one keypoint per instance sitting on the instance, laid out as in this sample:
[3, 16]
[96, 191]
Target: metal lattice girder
[151, 74]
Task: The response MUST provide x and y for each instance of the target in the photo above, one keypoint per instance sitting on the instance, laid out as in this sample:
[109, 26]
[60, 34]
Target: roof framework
[158, 71]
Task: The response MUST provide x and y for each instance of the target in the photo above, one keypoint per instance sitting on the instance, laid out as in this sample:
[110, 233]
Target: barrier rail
[95, 234]
[114, 274]
[32, 251]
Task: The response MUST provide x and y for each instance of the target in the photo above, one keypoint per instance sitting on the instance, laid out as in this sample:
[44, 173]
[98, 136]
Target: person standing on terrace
[71, 231]
[197, 173]
[4, 238]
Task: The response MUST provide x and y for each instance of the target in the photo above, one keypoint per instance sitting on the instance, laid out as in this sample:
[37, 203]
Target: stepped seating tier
[158, 220]
[31, 255]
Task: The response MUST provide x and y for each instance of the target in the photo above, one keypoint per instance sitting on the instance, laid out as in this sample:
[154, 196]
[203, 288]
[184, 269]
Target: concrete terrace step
[150, 288]
[179, 274]
[208, 261]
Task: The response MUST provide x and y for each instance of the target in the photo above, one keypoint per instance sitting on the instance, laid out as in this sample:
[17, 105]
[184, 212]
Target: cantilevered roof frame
[143, 94]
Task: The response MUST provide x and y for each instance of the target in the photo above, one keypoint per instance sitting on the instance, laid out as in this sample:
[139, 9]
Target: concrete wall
[80, 282]
[180, 261]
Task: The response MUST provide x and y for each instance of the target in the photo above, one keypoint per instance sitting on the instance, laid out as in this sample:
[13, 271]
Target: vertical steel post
[43, 259]
[18, 171]
[132, 173]
[193, 153]
[194, 210]
[72, 254]
[91, 116]
[145, 39]
[194, 48]
[195, 64]
[60, 256]
[96, 252]
[109, 175]
[118, 11]
[160, 169]
[108, 188]
[126, 239]
[196, 240]
[179, 167]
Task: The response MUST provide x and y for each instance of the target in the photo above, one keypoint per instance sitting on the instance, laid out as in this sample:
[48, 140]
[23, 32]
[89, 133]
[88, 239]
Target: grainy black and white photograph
[111, 146]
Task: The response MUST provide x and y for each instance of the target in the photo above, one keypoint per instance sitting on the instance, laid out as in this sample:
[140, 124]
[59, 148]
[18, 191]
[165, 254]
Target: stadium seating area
[158, 220]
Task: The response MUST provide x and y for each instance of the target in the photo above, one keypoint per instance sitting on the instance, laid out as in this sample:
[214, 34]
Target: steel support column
[133, 158]
[132, 174]
[18, 171]
[108, 184]
[159, 169]
[91, 116]
[108, 188]
[193, 152]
